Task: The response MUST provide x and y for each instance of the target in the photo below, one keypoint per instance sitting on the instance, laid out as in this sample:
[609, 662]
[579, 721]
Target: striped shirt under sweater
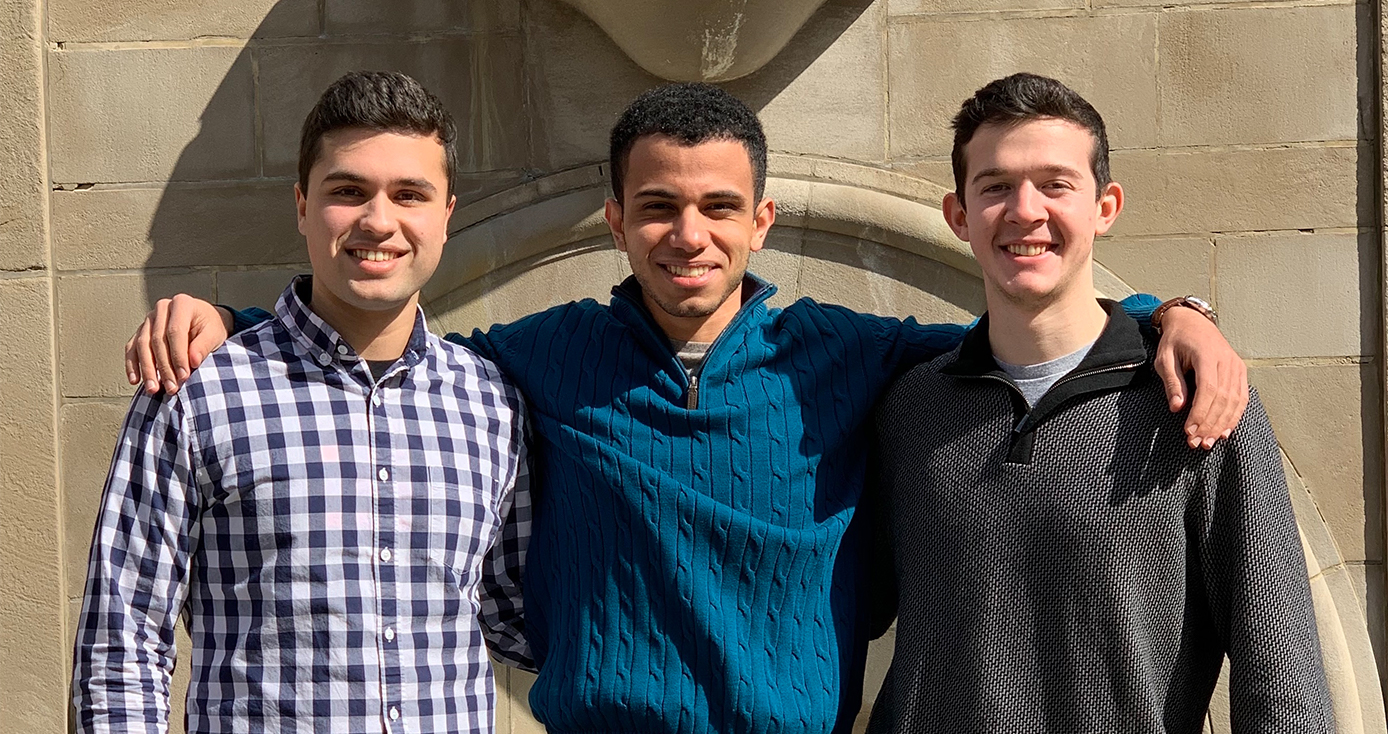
[1076, 567]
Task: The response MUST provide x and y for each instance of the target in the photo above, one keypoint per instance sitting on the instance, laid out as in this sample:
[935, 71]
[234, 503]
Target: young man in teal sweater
[694, 564]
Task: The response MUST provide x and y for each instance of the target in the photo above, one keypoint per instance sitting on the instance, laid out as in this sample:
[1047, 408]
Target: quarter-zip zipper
[692, 400]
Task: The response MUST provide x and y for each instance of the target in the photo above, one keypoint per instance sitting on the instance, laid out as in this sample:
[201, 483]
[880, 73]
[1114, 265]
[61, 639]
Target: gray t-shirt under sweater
[1035, 379]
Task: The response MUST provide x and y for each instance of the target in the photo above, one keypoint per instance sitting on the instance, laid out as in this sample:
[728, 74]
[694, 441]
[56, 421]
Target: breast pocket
[453, 526]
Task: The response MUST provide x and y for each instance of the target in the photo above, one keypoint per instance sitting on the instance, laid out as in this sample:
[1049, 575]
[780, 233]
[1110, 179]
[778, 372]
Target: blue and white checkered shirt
[325, 535]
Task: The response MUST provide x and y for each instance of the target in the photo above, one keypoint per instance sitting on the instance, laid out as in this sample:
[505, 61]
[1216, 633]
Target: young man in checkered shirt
[337, 502]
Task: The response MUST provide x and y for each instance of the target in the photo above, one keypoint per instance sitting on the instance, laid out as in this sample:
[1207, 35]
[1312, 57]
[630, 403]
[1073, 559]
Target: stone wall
[149, 148]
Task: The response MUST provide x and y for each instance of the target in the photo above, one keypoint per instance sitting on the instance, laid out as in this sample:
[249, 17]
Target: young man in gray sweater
[1064, 561]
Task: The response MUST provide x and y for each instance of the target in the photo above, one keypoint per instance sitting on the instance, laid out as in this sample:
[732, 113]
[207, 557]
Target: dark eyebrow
[349, 177]
[1062, 170]
[656, 192]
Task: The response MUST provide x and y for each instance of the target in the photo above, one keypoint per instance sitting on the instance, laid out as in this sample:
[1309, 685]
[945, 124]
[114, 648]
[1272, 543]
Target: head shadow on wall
[533, 84]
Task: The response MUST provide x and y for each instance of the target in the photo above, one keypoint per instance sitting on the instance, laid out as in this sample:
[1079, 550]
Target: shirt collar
[1120, 342]
[322, 343]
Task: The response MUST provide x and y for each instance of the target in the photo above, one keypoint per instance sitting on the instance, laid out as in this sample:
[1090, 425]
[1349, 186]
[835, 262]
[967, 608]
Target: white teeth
[373, 255]
[1026, 250]
[688, 272]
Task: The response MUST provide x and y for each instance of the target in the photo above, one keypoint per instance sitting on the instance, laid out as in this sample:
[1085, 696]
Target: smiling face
[375, 217]
[688, 223]
[1031, 212]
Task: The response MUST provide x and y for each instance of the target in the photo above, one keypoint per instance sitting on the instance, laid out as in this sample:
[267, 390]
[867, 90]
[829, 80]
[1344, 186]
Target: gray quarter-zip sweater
[1075, 567]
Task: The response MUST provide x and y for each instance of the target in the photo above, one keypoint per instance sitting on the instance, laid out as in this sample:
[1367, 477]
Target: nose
[1027, 207]
[377, 216]
[689, 230]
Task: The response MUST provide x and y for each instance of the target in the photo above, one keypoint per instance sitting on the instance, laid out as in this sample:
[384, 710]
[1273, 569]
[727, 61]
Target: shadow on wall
[534, 86]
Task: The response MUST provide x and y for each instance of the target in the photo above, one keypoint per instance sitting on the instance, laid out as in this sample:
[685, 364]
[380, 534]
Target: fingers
[159, 345]
[1205, 404]
[176, 332]
[207, 330]
[1172, 378]
[139, 359]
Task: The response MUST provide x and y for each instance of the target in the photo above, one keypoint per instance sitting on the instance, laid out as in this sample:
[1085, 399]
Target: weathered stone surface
[245, 223]
[150, 115]
[780, 262]
[473, 187]
[1198, 191]
[1110, 59]
[938, 171]
[878, 661]
[928, 7]
[585, 269]
[884, 280]
[1261, 75]
[518, 691]
[479, 79]
[73, 21]
[23, 196]
[242, 288]
[1267, 283]
[837, 55]
[98, 313]
[419, 16]
[570, 112]
[1166, 267]
[1328, 419]
[88, 432]
[1367, 580]
[35, 648]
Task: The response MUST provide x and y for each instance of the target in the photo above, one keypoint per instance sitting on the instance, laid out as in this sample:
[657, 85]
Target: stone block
[1202, 190]
[781, 262]
[1328, 420]
[932, 7]
[1110, 59]
[368, 17]
[883, 280]
[73, 21]
[1258, 75]
[518, 692]
[1164, 267]
[474, 187]
[837, 55]
[35, 650]
[938, 171]
[479, 78]
[150, 115]
[244, 288]
[571, 114]
[1299, 295]
[1367, 581]
[879, 659]
[88, 433]
[180, 225]
[23, 197]
[98, 313]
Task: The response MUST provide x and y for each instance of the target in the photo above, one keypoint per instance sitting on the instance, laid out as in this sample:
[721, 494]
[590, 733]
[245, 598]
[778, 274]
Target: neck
[1022, 335]
[374, 335]
[695, 328]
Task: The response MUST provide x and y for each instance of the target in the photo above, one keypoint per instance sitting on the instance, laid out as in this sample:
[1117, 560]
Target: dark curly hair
[1020, 98]
[691, 113]
[384, 101]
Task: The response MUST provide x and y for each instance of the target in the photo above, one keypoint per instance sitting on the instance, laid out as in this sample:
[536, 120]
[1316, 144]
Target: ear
[300, 206]
[955, 216]
[1110, 204]
[762, 220]
[612, 212]
[452, 202]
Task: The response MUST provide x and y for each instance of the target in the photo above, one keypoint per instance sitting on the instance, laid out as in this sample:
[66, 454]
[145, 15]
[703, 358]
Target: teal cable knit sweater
[697, 570]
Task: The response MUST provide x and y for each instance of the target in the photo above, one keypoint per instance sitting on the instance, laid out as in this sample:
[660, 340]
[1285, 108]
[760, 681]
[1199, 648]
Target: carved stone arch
[545, 242]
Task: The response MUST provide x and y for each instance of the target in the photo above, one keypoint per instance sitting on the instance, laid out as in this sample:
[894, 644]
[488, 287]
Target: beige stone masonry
[1262, 75]
[77, 21]
[150, 114]
[930, 77]
[34, 644]
[930, 7]
[1319, 413]
[262, 288]
[477, 77]
[412, 16]
[1165, 267]
[1314, 275]
[1193, 190]
[789, 94]
[885, 280]
[23, 196]
[97, 314]
[244, 223]
[88, 432]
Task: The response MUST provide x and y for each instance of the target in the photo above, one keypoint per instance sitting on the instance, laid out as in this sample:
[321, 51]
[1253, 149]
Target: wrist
[1183, 303]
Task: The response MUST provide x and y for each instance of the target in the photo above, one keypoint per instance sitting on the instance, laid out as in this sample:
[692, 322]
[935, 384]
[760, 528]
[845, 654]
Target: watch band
[1199, 305]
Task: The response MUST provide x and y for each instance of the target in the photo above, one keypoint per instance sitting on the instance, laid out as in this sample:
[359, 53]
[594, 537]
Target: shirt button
[324, 358]
[394, 713]
[383, 474]
[342, 349]
[376, 398]
[385, 555]
[390, 634]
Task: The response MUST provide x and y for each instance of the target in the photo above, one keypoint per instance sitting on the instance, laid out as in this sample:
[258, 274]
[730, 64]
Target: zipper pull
[692, 401]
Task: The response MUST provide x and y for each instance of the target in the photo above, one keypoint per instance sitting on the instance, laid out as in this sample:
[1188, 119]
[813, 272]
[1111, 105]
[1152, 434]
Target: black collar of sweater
[1113, 363]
